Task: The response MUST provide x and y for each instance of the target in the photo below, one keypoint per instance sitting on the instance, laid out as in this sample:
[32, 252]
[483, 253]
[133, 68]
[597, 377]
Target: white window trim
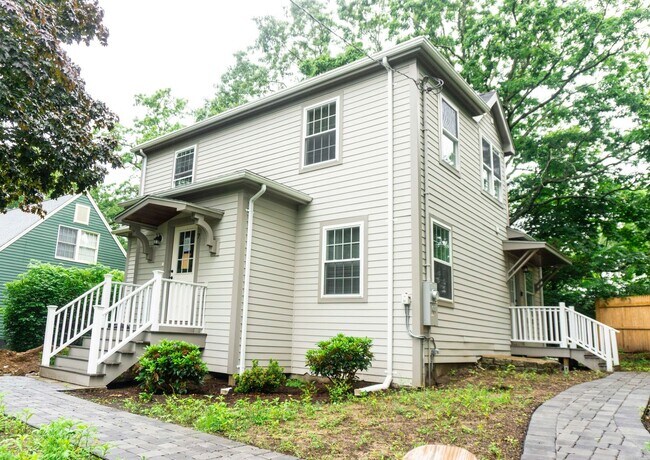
[435, 223]
[77, 207]
[76, 246]
[323, 260]
[491, 187]
[193, 165]
[337, 129]
[456, 166]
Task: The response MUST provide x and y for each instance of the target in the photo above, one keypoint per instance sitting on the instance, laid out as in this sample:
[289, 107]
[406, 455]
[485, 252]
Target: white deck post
[573, 326]
[564, 330]
[49, 336]
[98, 324]
[156, 298]
[608, 350]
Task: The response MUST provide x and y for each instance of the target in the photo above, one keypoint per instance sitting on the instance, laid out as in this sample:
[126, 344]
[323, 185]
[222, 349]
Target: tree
[53, 136]
[572, 77]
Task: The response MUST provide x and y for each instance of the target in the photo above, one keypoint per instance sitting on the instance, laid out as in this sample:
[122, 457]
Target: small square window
[320, 140]
[81, 214]
[184, 166]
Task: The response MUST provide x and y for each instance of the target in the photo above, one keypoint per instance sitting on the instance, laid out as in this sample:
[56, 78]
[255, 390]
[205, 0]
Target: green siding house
[73, 233]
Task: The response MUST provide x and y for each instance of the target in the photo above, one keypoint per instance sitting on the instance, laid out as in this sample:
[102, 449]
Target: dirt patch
[20, 363]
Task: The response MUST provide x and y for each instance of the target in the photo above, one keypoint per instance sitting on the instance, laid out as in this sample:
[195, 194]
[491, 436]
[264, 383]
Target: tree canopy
[573, 80]
[54, 137]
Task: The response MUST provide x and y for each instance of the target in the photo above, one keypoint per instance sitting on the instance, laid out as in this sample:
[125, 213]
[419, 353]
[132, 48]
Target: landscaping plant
[260, 380]
[27, 298]
[339, 359]
[170, 366]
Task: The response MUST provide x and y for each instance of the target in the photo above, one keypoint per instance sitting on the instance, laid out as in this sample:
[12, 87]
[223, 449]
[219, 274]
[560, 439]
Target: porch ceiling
[545, 254]
[153, 211]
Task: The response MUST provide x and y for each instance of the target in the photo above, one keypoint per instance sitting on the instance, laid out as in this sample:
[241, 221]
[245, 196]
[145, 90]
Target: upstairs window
[449, 137]
[320, 143]
[77, 245]
[342, 250]
[184, 166]
[442, 268]
[492, 182]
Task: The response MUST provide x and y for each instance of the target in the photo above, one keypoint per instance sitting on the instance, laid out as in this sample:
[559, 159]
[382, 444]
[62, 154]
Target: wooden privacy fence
[631, 316]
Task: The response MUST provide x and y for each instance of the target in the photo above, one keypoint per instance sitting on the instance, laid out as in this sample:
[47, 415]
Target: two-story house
[332, 206]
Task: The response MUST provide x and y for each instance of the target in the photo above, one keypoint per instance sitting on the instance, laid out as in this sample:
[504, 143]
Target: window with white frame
[184, 166]
[529, 279]
[492, 182]
[342, 260]
[77, 245]
[449, 137]
[442, 265]
[320, 133]
[81, 214]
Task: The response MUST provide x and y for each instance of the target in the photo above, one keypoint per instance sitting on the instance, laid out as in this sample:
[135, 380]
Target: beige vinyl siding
[270, 310]
[270, 145]
[478, 225]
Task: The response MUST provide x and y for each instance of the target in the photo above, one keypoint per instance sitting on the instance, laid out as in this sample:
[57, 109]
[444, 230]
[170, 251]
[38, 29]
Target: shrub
[27, 298]
[340, 358]
[170, 366]
[260, 380]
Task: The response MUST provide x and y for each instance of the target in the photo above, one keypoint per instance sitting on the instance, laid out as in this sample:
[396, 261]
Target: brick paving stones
[597, 420]
[129, 436]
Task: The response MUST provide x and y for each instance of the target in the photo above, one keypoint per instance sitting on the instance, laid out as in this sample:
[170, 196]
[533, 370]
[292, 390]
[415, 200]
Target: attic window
[81, 214]
[184, 166]
[492, 182]
[320, 136]
[449, 135]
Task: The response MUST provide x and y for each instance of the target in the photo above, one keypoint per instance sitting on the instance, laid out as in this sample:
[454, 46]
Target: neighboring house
[329, 207]
[73, 233]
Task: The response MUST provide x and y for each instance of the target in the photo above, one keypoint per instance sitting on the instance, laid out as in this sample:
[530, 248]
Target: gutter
[247, 278]
[389, 244]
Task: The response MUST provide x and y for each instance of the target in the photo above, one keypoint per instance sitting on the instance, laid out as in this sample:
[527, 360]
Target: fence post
[49, 336]
[564, 330]
[156, 297]
[573, 327]
[98, 324]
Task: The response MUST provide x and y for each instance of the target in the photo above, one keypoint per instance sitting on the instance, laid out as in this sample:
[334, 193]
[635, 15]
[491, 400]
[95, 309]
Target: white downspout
[389, 246]
[143, 169]
[247, 278]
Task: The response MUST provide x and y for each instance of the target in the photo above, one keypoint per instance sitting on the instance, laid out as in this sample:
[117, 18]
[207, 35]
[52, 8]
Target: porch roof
[151, 211]
[548, 255]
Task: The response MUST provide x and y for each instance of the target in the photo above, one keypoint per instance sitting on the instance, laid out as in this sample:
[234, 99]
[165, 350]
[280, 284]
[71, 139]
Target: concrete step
[72, 376]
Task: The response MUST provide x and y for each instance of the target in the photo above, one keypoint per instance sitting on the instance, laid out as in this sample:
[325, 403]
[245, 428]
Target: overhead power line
[436, 87]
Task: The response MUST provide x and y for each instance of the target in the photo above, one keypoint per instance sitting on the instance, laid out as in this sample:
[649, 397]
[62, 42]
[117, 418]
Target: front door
[183, 267]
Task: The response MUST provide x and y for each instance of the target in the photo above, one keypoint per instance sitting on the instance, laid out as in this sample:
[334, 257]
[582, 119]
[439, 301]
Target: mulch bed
[20, 363]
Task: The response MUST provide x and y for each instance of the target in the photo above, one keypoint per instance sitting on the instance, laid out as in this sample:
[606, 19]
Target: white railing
[183, 304]
[67, 324]
[563, 326]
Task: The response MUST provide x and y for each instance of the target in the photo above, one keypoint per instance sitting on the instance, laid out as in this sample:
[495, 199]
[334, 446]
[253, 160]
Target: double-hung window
[320, 133]
[342, 260]
[449, 135]
[184, 166]
[492, 182]
[77, 245]
[442, 265]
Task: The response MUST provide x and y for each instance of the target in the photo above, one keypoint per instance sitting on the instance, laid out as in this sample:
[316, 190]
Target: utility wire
[436, 87]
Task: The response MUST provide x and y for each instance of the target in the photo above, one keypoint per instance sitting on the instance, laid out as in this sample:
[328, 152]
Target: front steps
[72, 368]
[580, 355]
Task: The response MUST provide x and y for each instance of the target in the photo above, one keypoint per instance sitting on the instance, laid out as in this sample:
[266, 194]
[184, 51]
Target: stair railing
[563, 326]
[67, 324]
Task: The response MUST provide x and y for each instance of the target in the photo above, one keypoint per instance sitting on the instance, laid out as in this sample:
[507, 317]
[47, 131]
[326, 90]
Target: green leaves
[259, 379]
[340, 358]
[53, 136]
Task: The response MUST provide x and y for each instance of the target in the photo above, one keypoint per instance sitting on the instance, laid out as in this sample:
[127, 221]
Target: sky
[157, 44]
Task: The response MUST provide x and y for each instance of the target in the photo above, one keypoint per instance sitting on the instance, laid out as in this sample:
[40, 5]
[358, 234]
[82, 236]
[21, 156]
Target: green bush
[27, 298]
[169, 366]
[260, 380]
[340, 358]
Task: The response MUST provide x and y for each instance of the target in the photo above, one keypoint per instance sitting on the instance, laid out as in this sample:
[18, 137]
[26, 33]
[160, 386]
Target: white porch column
[98, 324]
[49, 336]
[156, 300]
[564, 329]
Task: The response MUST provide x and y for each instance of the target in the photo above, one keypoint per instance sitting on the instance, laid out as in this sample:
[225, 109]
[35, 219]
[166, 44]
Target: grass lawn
[487, 412]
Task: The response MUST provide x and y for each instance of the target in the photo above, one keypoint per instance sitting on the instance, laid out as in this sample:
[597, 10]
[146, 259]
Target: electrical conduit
[247, 278]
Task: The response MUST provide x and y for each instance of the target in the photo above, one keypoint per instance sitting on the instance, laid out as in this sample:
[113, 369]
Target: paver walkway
[130, 436]
[598, 420]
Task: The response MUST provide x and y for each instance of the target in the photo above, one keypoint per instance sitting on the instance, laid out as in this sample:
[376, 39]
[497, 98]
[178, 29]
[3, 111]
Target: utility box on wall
[429, 303]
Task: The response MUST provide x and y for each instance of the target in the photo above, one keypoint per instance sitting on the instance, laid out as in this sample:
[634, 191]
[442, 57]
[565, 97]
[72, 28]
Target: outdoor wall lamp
[157, 239]
[525, 268]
